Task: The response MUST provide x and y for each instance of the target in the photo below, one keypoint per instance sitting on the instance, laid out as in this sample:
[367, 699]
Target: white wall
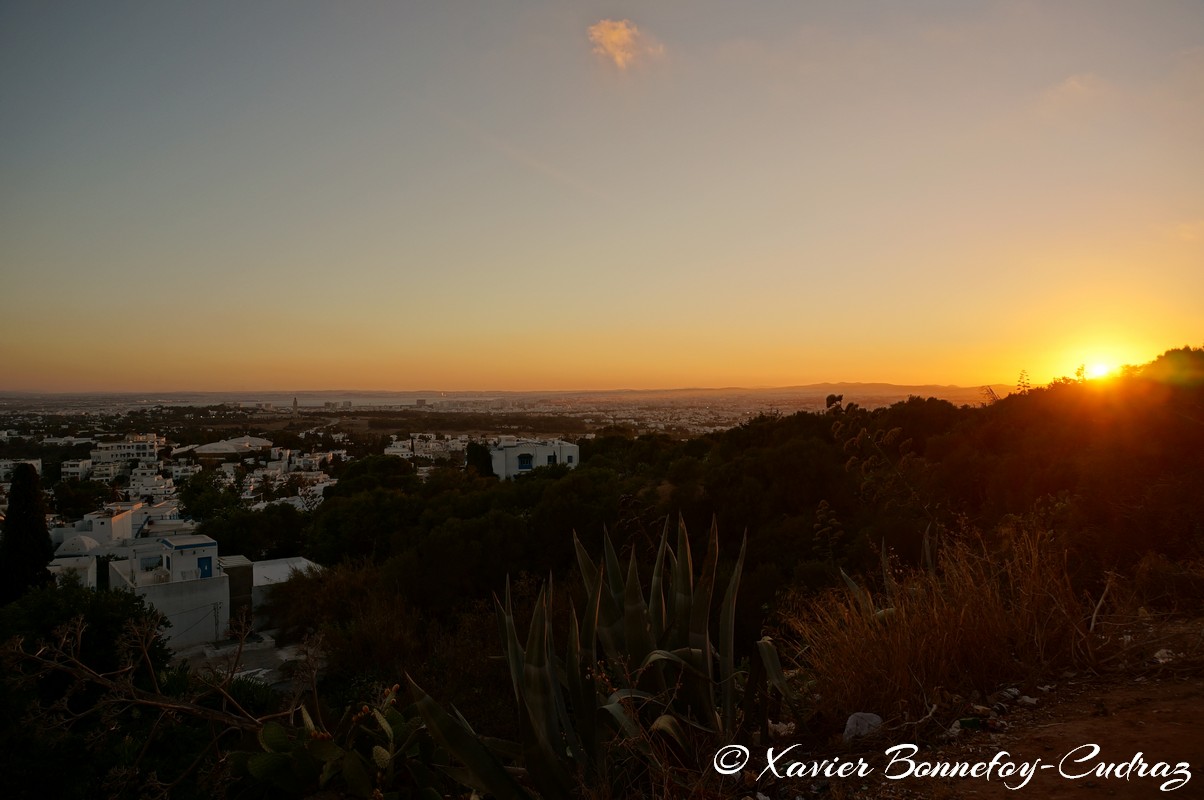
[507, 457]
[189, 605]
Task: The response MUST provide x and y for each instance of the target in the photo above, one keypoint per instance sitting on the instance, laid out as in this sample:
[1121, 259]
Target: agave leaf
[455, 712]
[670, 628]
[700, 614]
[696, 693]
[487, 773]
[614, 570]
[656, 594]
[862, 596]
[687, 658]
[503, 747]
[727, 643]
[555, 681]
[552, 738]
[502, 607]
[543, 766]
[589, 627]
[683, 591]
[668, 725]
[589, 572]
[514, 650]
[538, 680]
[581, 690]
[610, 631]
[683, 550]
[635, 616]
[626, 726]
[702, 691]
[773, 670]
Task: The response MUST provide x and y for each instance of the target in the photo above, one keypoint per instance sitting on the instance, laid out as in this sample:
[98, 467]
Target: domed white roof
[248, 441]
[214, 448]
[77, 545]
[239, 444]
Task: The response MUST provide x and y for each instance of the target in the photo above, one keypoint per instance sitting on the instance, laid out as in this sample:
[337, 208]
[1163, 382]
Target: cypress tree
[25, 547]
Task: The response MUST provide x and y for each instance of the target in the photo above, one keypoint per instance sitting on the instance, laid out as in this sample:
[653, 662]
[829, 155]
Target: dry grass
[981, 621]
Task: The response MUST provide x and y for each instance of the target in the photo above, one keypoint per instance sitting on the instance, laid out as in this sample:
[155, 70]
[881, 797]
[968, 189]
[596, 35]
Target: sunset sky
[580, 195]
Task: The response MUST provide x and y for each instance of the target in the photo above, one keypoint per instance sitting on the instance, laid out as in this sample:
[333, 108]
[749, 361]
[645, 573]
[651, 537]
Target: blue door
[205, 565]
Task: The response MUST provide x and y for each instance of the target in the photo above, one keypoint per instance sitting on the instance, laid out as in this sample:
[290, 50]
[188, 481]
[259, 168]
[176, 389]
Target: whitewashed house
[513, 456]
[183, 579]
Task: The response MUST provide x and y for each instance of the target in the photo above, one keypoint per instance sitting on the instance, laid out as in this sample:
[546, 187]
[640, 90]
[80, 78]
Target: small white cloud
[1076, 91]
[1080, 99]
[1191, 231]
[622, 43]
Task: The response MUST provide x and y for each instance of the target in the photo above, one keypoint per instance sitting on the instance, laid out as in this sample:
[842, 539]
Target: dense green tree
[274, 532]
[25, 547]
[73, 499]
[49, 718]
[477, 458]
[375, 472]
[204, 497]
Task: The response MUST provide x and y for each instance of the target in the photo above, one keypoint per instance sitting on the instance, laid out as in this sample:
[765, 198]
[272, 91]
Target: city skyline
[548, 196]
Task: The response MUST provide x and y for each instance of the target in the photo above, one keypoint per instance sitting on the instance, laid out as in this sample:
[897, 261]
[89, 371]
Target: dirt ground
[1159, 719]
[1091, 736]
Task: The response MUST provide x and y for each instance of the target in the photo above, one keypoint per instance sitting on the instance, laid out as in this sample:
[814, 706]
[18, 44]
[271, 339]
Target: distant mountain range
[863, 393]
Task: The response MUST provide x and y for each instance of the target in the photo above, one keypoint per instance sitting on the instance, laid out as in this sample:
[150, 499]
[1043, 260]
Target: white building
[112, 523]
[147, 482]
[77, 470]
[402, 448]
[181, 576]
[82, 566]
[141, 447]
[513, 456]
[68, 441]
[8, 464]
[105, 472]
[183, 579]
[427, 444]
[119, 521]
[272, 572]
[182, 472]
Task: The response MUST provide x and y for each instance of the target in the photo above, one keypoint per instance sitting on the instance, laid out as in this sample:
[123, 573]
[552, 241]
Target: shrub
[976, 621]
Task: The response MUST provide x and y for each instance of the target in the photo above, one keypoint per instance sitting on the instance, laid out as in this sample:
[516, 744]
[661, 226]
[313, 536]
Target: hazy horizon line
[7, 392]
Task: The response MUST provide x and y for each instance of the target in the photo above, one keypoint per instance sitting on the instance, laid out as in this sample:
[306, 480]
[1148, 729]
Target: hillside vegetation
[902, 560]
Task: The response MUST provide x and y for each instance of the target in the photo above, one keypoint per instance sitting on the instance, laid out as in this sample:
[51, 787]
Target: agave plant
[660, 676]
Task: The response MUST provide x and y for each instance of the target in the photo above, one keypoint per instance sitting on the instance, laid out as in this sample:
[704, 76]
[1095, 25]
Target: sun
[1099, 369]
